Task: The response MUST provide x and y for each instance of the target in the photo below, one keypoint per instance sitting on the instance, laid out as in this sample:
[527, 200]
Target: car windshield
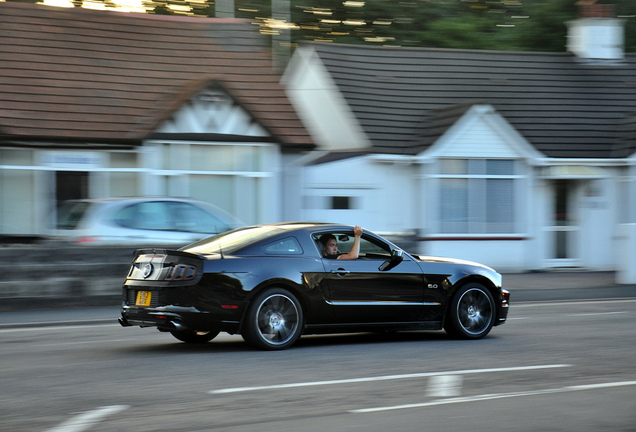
[232, 241]
[70, 213]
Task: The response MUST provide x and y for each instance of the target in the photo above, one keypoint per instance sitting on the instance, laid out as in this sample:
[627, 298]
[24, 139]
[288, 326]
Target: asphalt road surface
[557, 366]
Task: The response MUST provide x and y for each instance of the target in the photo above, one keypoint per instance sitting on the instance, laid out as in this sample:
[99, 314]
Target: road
[558, 366]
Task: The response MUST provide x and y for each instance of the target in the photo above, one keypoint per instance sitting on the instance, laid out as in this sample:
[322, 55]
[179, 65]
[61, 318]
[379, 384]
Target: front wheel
[194, 337]
[471, 314]
[274, 320]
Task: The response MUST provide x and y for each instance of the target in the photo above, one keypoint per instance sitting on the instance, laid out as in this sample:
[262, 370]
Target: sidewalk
[559, 280]
[565, 285]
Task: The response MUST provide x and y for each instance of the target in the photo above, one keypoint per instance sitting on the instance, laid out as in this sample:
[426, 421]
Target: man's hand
[357, 231]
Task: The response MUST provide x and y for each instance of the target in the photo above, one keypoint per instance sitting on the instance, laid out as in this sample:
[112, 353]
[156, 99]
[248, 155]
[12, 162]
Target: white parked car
[146, 221]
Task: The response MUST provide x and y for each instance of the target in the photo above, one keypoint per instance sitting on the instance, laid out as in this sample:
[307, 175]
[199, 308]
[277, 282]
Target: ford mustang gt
[271, 284]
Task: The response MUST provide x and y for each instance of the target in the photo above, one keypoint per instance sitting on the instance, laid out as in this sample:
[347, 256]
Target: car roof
[296, 226]
[132, 199]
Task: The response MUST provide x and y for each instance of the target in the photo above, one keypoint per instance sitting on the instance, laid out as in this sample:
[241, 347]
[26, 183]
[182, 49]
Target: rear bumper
[176, 318]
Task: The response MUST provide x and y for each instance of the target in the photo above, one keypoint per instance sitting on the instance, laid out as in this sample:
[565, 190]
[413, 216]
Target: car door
[358, 292]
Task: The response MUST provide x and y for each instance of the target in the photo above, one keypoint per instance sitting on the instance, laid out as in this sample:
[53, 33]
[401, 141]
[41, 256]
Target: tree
[529, 25]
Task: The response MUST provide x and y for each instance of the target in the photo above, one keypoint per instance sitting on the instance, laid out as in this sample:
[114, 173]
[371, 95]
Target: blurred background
[496, 131]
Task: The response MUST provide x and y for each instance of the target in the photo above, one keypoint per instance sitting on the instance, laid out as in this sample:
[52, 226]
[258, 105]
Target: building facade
[102, 104]
[523, 161]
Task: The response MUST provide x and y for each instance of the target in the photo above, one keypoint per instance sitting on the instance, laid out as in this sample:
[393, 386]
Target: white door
[563, 232]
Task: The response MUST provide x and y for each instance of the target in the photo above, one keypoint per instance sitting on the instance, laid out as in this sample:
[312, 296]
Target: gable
[212, 111]
[74, 74]
[482, 133]
[319, 103]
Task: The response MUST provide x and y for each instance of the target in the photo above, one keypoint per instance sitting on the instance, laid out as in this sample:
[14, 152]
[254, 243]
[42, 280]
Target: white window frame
[478, 228]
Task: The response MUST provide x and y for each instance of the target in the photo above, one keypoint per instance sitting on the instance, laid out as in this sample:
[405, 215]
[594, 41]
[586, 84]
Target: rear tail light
[180, 272]
[86, 239]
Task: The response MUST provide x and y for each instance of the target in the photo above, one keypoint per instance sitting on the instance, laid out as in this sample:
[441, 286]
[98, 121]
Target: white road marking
[570, 302]
[385, 378]
[64, 327]
[587, 314]
[58, 344]
[445, 386]
[595, 314]
[496, 396]
[84, 421]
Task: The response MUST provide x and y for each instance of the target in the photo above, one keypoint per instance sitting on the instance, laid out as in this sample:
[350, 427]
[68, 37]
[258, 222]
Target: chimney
[596, 35]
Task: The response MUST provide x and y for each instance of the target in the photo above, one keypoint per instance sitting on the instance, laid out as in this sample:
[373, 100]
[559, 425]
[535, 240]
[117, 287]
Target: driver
[330, 246]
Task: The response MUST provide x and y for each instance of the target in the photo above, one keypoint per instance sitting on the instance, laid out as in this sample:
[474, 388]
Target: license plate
[143, 298]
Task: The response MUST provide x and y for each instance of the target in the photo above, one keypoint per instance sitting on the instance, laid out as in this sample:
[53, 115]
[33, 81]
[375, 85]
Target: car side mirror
[396, 258]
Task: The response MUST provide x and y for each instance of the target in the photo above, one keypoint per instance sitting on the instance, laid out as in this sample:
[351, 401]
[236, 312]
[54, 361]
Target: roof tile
[562, 106]
[115, 76]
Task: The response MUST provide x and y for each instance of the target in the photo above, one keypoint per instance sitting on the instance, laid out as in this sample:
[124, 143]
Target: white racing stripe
[385, 378]
[84, 421]
[497, 396]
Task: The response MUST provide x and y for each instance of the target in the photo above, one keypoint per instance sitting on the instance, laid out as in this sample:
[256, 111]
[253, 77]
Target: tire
[194, 337]
[471, 314]
[274, 320]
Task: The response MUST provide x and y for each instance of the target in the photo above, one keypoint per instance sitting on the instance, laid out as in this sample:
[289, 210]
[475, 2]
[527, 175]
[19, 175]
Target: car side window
[146, 216]
[127, 217]
[286, 246]
[369, 247]
[371, 250]
[191, 218]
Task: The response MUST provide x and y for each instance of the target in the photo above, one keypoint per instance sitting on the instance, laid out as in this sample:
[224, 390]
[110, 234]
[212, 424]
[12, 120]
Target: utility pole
[281, 38]
[224, 8]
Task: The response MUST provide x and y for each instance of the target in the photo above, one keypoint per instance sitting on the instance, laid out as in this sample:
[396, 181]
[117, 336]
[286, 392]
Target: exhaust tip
[177, 326]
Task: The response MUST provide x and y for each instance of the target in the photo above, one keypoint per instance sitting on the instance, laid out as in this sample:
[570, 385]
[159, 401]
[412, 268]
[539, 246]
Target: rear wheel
[472, 312]
[274, 320]
[194, 337]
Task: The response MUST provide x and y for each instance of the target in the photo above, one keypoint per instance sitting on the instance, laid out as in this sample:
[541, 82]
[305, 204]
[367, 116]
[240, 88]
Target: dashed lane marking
[385, 378]
[445, 386]
[487, 397]
[86, 420]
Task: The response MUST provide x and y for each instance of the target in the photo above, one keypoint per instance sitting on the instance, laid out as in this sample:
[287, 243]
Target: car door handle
[340, 272]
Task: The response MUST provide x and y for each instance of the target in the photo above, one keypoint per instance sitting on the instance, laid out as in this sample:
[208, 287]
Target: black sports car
[270, 283]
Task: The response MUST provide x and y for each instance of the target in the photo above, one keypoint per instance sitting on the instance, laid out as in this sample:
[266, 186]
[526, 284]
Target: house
[107, 104]
[521, 160]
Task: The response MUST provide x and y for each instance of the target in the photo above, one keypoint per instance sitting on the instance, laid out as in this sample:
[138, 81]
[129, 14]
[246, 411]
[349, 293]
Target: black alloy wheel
[274, 320]
[471, 314]
[194, 337]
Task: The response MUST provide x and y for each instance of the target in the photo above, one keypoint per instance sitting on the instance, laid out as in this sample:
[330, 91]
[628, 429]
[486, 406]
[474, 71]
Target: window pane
[287, 246]
[477, 204]
[477, 166]
[500, 167]
[191, 218]
[246, 158]
[340, 203]
[454, 205]
[146, 216]
[218, 190]
[373, 251]
[500, 208]
[454, 166]
[211, 158]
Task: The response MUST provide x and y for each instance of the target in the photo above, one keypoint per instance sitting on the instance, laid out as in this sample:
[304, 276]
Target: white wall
[504, 256]
[319, 104]
[382, 193]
